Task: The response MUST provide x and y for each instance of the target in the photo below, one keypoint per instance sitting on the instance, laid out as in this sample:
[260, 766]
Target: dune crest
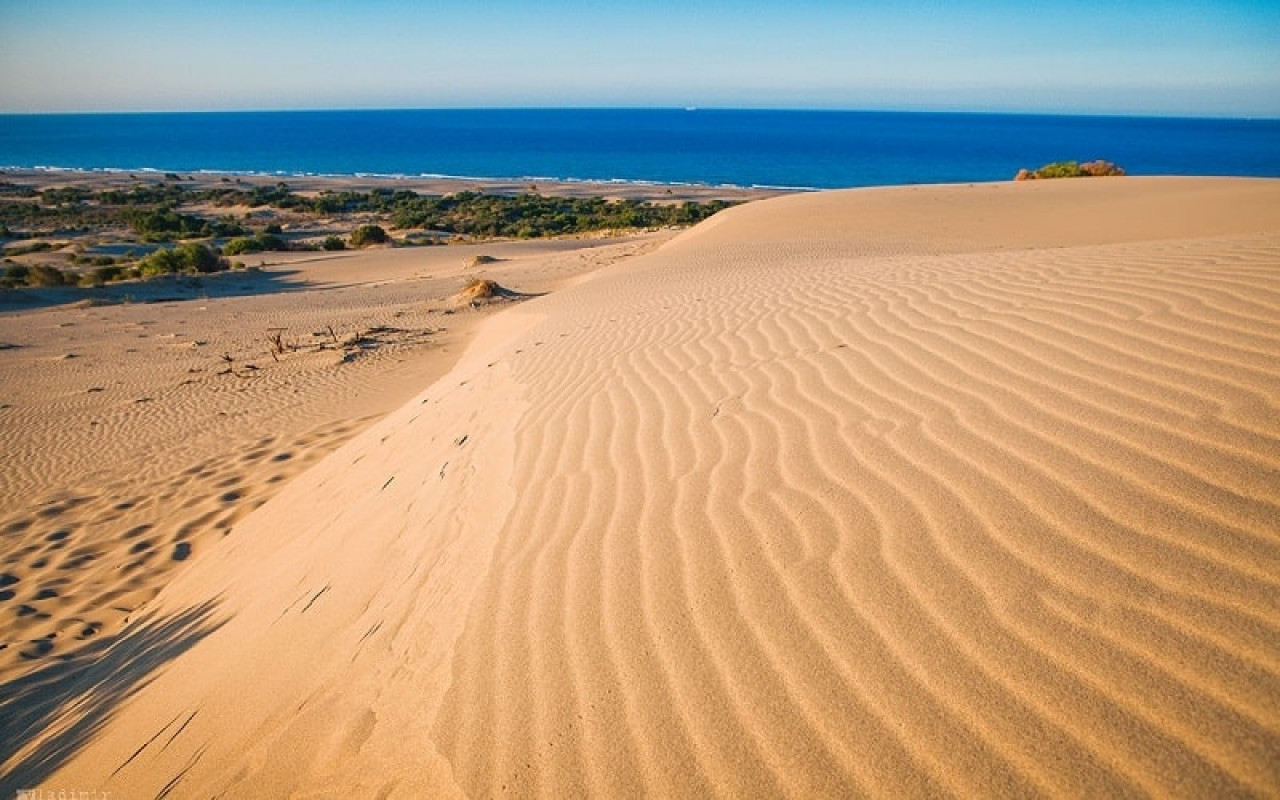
[929, 490]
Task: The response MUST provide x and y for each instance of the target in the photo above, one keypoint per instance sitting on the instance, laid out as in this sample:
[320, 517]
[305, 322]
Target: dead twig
[278, 345]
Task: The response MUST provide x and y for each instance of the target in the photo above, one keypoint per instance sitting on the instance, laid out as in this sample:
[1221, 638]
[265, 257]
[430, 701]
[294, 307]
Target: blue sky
[1175, 57]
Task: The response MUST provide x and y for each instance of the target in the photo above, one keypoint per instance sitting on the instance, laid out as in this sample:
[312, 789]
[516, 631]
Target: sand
[916, 491]
[141, 421]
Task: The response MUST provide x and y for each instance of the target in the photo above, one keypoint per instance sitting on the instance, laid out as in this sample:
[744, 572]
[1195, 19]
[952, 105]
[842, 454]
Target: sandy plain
[917, 491]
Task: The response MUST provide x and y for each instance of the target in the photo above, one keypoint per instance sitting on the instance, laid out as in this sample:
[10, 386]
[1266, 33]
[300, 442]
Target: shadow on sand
[164, 289]
[68, 701]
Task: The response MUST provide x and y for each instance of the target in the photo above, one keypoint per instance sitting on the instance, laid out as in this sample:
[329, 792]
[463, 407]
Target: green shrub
[226, 226]
[269, 241]
[190, 257]
[367, 235]
[93, 261]
[65, 195]
[241, 245]
[199, 258]
[1070, 169]
[333, 243]
[107, 274]
[161, 262]
[139, 195]
[45, 275]
[1060, 169]
[254, 244]
[165, 224]
[34, 247]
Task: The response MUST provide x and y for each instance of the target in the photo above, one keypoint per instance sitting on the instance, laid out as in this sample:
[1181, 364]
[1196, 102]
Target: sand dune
[132, 445]
[903, 492]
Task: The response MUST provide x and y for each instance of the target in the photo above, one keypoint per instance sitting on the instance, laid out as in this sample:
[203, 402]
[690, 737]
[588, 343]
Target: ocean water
[803, 149]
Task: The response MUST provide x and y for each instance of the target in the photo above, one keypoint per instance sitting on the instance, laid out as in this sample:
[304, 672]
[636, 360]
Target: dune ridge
[931, 490]
[135, 435]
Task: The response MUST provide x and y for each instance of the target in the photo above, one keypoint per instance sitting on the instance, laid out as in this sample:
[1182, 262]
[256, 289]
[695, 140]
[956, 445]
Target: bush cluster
[478, 214]
[191, 257]
[1070, 169]
[45, 275]
[34, 275]
[188, 258]
[93, 261]
[106, 274]
[165, 224]
[151, 211]
[24, 249]
[259, 242]
[532, 215]
[368, 234]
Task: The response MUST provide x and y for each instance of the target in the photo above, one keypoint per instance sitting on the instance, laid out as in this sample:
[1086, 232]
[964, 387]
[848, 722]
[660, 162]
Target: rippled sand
[899, 492]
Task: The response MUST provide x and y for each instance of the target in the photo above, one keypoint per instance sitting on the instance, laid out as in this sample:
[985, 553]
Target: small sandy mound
[479, 291]
[481, 260]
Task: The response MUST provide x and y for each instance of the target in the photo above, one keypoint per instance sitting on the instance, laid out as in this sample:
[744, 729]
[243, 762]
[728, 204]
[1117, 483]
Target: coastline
[706, 147]
[656, 192]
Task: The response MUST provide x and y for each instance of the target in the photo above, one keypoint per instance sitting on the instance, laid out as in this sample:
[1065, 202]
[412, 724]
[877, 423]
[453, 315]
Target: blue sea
[799, 149]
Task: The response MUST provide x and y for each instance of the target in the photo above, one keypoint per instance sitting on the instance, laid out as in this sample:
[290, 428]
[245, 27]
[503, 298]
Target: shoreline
[651, 191]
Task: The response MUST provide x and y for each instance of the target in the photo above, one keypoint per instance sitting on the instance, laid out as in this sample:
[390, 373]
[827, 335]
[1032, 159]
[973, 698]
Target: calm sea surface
[745, 148]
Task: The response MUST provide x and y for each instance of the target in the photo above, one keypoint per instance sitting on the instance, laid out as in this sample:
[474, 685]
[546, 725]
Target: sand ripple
[777, 512]
[982, 523]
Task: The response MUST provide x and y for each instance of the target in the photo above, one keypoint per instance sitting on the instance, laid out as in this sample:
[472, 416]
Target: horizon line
[688, 109]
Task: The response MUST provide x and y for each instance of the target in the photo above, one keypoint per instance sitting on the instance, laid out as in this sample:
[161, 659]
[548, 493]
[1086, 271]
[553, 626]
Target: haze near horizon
[1179, 58]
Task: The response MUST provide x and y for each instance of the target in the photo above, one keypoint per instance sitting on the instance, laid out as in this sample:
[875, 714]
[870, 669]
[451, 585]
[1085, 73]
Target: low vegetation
[152, 211]
[190, 258]
[166, 225]
[366, 235]
[34, 275]
[201, 226]
[1070, 169]
[532, 215]
[260, 242]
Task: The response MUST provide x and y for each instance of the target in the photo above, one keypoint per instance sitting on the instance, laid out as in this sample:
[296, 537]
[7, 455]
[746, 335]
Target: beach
[313, 184]
[910, 491]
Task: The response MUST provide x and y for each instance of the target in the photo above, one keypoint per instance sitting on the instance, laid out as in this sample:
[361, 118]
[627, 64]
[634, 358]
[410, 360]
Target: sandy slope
[963, 490]
[130, 446]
